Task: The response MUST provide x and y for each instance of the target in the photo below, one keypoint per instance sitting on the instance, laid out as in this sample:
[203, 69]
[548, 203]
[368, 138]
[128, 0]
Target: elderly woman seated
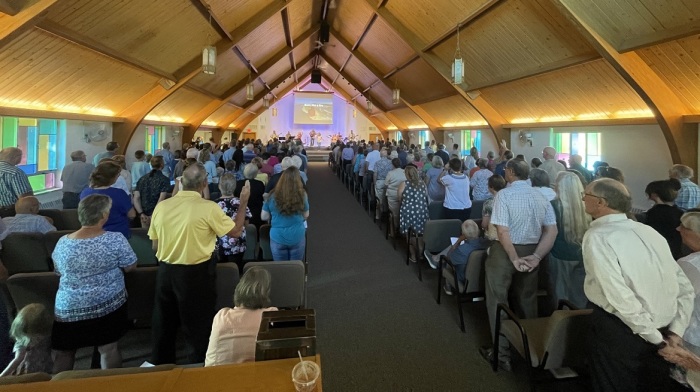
[234, 331]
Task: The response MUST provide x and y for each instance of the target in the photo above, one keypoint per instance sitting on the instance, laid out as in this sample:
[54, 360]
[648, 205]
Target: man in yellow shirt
[184, 230]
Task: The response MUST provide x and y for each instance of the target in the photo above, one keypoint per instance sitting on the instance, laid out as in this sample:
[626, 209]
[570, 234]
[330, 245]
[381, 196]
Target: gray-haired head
[78, 155]
[539, 178]
[250, 171]
[227, 184]
[93, 208]
[614, 193]
[253, 290]
[520, 169]
[286, 163]
[194, 177]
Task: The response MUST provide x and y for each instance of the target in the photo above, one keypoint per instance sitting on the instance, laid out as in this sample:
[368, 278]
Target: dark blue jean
[281, 252]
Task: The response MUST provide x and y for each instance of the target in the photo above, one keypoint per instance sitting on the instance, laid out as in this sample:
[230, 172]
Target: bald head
[549, 153]
[27, 205]
[615, 194]
[194, 178]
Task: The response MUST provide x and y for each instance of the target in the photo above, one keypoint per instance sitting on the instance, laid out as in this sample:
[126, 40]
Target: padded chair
[143, 247]
[29, 288]
[51, 239]
[288, 281]
[435, 210]
[55, 216]
[75, 374]
[25, 379]
[265, 242]
[251, 240]
[227, 278]
[436, 237]
[546, 342]
[70, 219]
[474, 286]
[477, 209]
[141, 286]
[24, 253]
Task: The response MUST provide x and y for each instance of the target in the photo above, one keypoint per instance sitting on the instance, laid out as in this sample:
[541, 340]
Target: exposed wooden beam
[659, 37]
[13, 26]
[20, 112]
[400, 67]
[364, 32]
[137, 111]
[205, 9]
[342, 67]
[354, 83]
[249, 64]
[541, 70]
[287, 30]
[682, 138]
[9, 8]
[452, 93]
[198, 118]
[429, 120]
[491, 115]
[86, 42]
[400, 125]
[464, 23]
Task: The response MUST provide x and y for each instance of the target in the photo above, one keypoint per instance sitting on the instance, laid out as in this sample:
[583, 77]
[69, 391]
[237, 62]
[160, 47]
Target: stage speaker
[325, 34]
[316, 76]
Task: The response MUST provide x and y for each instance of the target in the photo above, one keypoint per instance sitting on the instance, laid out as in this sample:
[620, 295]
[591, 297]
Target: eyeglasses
[584, 194]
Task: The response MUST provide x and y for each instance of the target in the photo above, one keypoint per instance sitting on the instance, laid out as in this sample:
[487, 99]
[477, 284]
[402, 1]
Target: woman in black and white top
[457, 204]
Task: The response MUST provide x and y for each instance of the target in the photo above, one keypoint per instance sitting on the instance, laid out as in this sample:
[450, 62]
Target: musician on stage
[312, 137]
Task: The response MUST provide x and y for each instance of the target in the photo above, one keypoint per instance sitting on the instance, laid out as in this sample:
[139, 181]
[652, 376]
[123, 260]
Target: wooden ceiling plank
[485, 8]
[86, 42]
[494, 119]
[400, 67]
[668, 108]
[354, 83]
[429, 120]
[381, 127]
[205, 9]
[660, 37]
[7, 7]
[14, 25]
[364, 32]
[400, 125]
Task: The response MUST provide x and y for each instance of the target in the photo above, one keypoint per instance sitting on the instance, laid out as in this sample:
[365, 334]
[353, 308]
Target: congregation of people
[194, 204]
[637, 272]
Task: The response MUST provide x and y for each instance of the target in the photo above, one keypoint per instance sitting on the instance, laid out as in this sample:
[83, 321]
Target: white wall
[640, 151]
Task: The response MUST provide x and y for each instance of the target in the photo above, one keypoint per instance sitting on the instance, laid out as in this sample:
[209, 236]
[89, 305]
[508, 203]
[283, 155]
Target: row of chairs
[545, 343]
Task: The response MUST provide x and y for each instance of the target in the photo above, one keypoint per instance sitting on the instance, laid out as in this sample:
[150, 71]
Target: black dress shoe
[487, 353]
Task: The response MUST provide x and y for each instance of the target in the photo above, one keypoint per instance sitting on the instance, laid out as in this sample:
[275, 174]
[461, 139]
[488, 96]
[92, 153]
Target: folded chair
[436, 237]
[472, 289]
[547, 342]
[288, 281]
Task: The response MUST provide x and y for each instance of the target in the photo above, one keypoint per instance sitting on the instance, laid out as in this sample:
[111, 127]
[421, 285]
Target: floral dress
[225, 245]
[414, 208]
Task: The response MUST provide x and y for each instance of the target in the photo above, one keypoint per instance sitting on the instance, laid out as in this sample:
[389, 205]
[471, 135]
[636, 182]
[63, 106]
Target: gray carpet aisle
[378, 327]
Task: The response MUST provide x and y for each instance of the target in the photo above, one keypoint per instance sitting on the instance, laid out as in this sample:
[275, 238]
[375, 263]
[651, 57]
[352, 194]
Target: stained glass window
[155, 136]
[469, 139]
[587, 145]
[38, 140]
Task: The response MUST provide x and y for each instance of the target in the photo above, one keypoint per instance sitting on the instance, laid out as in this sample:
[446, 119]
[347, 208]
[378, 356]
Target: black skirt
[68, 336]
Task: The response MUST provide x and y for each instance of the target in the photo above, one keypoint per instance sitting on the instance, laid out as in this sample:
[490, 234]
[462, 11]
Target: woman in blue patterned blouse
[91, 299]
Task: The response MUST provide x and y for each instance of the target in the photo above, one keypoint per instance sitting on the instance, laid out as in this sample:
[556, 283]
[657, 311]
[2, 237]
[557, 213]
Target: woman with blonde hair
[31, 331]
[234, 331]
[566, 272]
[288, 208]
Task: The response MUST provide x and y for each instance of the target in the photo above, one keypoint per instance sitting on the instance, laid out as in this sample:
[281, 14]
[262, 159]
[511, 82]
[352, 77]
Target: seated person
[28, 219]
[459, 253]
[234, 331]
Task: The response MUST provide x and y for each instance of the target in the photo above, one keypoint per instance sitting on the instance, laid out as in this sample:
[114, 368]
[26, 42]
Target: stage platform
[317, 155]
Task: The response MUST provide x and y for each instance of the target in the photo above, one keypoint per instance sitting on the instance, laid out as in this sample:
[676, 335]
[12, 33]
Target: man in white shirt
[372, 158]
[641, 299]
[550, 164]
[527, 228]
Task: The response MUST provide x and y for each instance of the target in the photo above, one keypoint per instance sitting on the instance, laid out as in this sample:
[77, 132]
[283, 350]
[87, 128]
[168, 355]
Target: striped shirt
[688, 196]
[523, 210]
[13, 184]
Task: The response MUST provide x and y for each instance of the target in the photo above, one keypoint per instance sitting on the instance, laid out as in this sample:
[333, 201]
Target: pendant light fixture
[396, 93]
[249, 89]
[209, 54]
[369, 105]
[458, 63]
[266, 102]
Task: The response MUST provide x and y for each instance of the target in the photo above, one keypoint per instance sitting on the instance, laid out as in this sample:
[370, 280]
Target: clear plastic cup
[304, 376]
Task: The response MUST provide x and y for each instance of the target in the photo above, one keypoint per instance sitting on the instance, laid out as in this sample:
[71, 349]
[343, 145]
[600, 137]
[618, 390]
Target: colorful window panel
[155, 136]
[423, 136]
[468, 140]
[38, 139]
[587, 145]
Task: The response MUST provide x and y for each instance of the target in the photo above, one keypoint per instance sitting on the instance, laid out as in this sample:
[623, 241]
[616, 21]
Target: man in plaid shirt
[689, 195]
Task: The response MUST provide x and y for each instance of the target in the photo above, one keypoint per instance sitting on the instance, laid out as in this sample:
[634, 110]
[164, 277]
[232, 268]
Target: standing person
[312, 137]
[436, 191]
[125, 183]
[287, 207]
[443, 154]
[91, 305]
[373, 156]
[566, 272]
[13, 181]
[167, 158]
[121, 212]
[231, 249]
[689, 195]
[393, 181]
[479, 182]
[150, 190]
[470, 161]
[550, 164]
[457, 204]
[184, 230]
[139, 168]
[111, 151]
[413, 201]
[575, 163]
[75, 177]
[642, 301]
[526, 227]
[381, 169]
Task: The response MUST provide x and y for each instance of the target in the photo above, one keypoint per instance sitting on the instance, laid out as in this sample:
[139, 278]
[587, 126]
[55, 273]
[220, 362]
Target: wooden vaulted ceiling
[527, 61]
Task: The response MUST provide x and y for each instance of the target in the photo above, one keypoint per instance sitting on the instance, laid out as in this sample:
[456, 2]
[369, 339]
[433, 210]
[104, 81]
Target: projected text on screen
[310, 108]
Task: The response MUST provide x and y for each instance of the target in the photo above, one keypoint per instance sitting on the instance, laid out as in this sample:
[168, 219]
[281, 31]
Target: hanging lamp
[209, 55]
[458, 63]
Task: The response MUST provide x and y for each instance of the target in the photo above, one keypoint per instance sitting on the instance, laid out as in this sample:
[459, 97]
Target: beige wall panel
[40, 71]
[419, 82]
[384, 48]
[620, 20]
[350, 18]
[302, 14]
[233, 13]
[408, 117]
[151, 31]
[266, 40]
[592, 90]
[180, 106]
[518, 37]
[678, 64]
[229, 70]
[430, 19]
[452, 111]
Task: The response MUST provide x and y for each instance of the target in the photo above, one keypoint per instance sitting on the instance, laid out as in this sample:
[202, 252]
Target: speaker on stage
[316, 76]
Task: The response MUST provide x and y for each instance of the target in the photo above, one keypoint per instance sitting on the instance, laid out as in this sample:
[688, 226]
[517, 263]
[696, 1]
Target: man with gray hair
[111, 151]
[184, 229]
[641, 299]
[75, 177]
[167, 159]
[550, 164]
[14, 183]
[689, 195]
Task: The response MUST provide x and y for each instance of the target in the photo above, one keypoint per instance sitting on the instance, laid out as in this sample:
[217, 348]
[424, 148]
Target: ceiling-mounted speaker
[325, 33]
[474, 94]
[316, 76]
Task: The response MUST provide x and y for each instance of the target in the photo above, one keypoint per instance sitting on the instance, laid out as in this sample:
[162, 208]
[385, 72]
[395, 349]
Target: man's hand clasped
[526, 264]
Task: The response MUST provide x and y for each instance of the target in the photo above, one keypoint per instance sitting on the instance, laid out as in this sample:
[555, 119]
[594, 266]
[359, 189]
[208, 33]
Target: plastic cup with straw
[305, 374]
